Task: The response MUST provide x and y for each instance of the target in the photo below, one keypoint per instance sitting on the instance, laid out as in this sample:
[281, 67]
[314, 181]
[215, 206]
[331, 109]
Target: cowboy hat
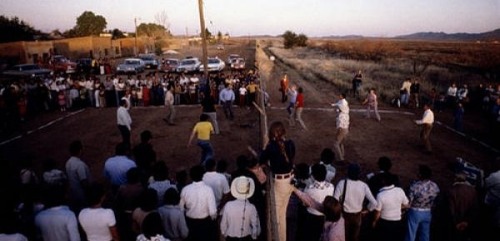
[242, 187]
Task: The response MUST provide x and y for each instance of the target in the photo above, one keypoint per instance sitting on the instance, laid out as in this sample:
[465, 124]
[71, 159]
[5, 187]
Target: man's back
[57, 224]
[198, 200]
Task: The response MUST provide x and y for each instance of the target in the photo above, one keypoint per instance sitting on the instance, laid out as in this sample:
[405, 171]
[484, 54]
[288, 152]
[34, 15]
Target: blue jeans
[419, 222]
[207, 151]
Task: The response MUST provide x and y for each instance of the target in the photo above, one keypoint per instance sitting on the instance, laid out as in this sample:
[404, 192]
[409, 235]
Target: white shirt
[96, 223]
[238, 215]
[169, 99]
[242, 90]
[343, 115]
[357, 192]
[123, 117]
[389, 201]
[218, 183]
[198, 200]
[427, 118]
[452, 91]
[318, 191]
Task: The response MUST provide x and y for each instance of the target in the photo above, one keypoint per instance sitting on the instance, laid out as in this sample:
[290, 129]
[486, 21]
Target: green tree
[151, 30]
[14, 29]
[290, 39]
[301, 40]
[116, 34]
[89, 24]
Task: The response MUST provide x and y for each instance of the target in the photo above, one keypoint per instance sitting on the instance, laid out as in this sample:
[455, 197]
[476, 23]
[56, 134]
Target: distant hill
[486, 36]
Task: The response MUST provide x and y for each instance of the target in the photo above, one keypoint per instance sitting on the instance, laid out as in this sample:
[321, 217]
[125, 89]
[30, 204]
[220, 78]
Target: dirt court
[396, 136]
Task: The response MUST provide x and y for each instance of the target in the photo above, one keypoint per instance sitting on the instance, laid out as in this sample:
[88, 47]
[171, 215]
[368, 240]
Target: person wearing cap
[240, 220]
[426, 122]
[342, 125]
[279, 155]
[352, 193]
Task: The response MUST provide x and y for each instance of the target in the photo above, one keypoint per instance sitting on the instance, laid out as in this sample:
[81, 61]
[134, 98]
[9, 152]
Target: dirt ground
[396, 136]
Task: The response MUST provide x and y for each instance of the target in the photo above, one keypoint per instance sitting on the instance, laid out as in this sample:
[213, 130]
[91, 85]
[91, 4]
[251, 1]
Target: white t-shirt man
[96, 223]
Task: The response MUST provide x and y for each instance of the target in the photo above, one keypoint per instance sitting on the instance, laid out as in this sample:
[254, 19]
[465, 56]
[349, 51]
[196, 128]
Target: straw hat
[242, 187]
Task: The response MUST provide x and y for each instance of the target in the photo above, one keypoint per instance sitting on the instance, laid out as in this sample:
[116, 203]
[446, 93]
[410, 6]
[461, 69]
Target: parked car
[62, 64]
[231, 57]
[214, 65]
[150, 61]
[131, 66]
[84, 66]
[169, 65]
[191, 64]
[26, 71]
[238, 64]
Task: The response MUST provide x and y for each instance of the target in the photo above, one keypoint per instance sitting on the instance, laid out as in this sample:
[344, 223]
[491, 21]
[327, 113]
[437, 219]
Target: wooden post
[203, 41]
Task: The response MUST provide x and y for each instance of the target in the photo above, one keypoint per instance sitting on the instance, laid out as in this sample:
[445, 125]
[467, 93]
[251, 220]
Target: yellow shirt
[252, 88]
[203, 129]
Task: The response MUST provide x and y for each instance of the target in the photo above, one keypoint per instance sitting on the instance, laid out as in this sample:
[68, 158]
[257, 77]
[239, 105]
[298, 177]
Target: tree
[151, 30]
[289, 39]
[14, 29]
[89, 24]
[301, 40]
[208, 34]
[162, 19]
[116, 34]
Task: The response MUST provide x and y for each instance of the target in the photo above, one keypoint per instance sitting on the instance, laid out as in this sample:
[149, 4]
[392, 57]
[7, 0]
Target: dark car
[84, 66]
[26, 71]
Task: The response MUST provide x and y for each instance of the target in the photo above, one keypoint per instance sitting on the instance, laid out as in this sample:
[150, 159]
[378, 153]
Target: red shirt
[300, 101]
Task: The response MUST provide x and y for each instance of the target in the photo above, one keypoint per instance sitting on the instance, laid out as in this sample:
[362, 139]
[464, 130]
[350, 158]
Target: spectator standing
[203, 129]
[252, 88]
[405, 92]
[384, 164]
[161, 181]
[421, 195]
[198, 201]
[387, 220]
[52, 176]
[463, 207]
[342, 126]
[327, 157]
[279, 154]
[169, 105]
[153, 230]
[426, 122]
[144, 154]
[98, 223]
[284, 87]
[208, 108]
[356, 84]
[79, 178]
[226, 97]
[124, 121]
[352, 193]
[172, 217]
[415, 93]
[451, 95]
[492, 198]
[458, 117]
[318, 191]
[148, 204]
[371, 102]
[292, 99]
[240, 220]
[116, 167]
[299, 107]
[216, 181]
[242, 91]
[57, 222]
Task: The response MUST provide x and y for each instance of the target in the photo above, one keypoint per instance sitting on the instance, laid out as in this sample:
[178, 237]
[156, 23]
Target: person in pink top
[371, 102]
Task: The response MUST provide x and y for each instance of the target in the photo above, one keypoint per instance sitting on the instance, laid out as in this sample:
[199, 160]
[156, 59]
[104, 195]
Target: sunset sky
[315, 18]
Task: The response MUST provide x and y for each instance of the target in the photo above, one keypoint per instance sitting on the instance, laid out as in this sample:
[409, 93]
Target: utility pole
[135, 45]
[203, 41]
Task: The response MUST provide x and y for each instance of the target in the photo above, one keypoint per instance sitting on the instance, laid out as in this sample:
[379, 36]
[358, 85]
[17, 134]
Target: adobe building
[73, 48]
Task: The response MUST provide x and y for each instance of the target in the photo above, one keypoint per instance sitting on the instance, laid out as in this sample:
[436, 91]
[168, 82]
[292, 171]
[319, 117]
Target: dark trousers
[228, 109]
[314, 226]
[352, 226]
[201, 229]
[389, 230]
[247, 238]
[125, 132]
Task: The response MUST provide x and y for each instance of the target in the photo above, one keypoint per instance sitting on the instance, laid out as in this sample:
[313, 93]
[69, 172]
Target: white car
[131, 66]
[188, 65]
[231, 57]
[214, 65]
